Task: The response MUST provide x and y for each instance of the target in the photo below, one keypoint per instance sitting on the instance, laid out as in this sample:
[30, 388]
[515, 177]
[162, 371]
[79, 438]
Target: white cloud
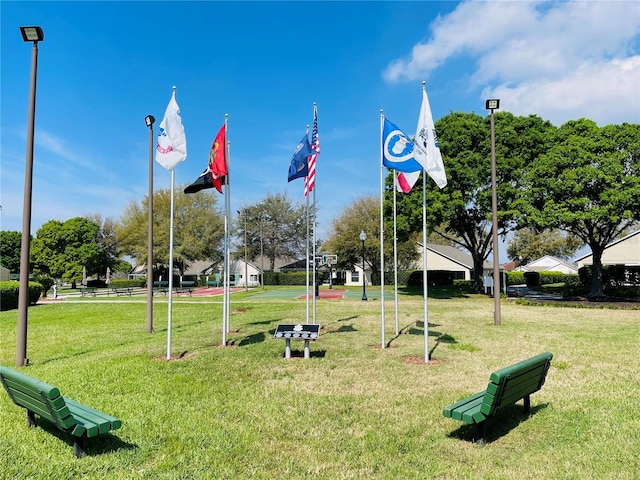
[561, 60]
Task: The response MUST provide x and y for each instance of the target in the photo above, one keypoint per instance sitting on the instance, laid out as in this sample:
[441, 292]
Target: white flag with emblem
[172, 142]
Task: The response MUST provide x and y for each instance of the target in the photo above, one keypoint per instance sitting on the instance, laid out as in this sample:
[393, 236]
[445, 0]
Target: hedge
[137, 283]
[9, 292]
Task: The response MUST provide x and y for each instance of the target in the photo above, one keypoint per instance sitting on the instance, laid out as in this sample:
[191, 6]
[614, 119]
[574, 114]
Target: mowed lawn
[351, 411]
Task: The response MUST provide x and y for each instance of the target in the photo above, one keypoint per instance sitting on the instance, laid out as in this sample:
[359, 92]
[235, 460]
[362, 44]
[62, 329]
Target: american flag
[310, 179]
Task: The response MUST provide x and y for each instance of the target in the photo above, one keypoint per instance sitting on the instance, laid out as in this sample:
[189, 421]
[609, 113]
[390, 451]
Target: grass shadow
[343, 329]
[252, 339]
[312, 353]
[106, 443]
[498, 426]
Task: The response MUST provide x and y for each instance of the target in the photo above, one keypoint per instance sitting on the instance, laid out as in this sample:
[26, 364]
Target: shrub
[137, 283]
[515, 278]
[532, 279]
[47, 281]
[9, 292]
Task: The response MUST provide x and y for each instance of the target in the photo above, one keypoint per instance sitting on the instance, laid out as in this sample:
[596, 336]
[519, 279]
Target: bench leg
[31, 419]
[78, 447]
[482, 430]
[527, 404]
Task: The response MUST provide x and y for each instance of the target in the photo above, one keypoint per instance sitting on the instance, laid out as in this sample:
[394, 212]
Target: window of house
[355, 276]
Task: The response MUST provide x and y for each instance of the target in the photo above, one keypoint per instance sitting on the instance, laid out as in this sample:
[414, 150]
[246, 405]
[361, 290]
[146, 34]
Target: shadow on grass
[99, 445]
[312, 354]
[252, 339]
[342, 329]
[498, 426]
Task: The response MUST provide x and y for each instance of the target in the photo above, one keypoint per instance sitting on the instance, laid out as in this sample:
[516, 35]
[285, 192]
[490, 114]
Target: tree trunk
[597, 290]
[477, 285]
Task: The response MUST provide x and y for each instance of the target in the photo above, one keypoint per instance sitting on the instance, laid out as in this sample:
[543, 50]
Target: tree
[10, 245]
[344, 240]
[63, 249]
[276, 222]
[464, 208]
[588, 184]
[198, 228]
[106, 239]
[528, 245]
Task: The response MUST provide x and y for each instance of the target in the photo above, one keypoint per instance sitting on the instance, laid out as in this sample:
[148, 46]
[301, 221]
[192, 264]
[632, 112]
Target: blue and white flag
[172, 142]
[397, 149]
[299, 166]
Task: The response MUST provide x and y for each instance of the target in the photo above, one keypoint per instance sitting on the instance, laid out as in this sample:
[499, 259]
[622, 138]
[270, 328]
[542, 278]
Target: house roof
[546, 263]
[455, 255]
[615, 242]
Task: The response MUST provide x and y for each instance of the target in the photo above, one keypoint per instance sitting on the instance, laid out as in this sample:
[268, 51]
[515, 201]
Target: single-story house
[624, 251]
[450, 259]
[548, 263]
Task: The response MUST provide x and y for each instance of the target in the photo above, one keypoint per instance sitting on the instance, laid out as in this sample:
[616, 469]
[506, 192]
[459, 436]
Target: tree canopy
[198, 228]
[528, 245]
[587, 184]
[10, 244]
[276, 224]
[463, 209]
[63, 249]
[344, 240]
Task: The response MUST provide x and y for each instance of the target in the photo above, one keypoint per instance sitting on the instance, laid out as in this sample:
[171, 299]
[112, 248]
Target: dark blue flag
[299, 166]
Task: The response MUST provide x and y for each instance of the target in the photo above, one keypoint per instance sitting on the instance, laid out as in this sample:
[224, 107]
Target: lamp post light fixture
[149, 120]
[494, 104]
[363, 237]
[35, 35]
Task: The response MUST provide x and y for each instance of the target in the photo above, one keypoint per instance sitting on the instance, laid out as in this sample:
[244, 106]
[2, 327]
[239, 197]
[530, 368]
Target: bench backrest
[510, 384]
[38, 397]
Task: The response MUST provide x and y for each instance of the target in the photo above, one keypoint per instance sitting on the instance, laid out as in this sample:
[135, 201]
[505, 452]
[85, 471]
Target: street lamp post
[148, 120]
[363, 237]
[35, 35]
[492, 105]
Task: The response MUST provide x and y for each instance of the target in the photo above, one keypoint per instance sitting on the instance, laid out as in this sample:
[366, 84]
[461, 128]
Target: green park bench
[186, 287]
[44, 400]
[122, 291]
[506, 386]
[161, 286]
[87, 291]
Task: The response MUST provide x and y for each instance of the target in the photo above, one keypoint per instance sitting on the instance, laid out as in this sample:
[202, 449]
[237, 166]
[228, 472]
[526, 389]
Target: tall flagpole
[170, 302]
[395, 249]
[307, 242]
[382, 341]
[425, 287]
[226, 324]
[313, 217]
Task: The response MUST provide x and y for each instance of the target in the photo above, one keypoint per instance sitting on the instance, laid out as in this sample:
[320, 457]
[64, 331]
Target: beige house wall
[626, 252]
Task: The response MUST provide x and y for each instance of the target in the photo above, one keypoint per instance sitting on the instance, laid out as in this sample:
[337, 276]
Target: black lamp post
[148, 120]
[363, 237]
[35, 35]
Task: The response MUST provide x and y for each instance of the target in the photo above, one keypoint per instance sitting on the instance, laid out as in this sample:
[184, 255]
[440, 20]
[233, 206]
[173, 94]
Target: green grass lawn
[351, 411]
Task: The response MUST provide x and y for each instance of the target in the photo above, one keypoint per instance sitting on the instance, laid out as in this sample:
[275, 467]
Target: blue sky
[103, 66]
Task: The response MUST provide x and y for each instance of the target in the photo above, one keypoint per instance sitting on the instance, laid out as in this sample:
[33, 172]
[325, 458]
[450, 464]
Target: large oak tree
[588, 184]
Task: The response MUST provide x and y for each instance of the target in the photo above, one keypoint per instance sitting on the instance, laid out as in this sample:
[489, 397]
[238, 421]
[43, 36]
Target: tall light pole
[35, 35]
[148, 120]
[363, 237]
[492, 105]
